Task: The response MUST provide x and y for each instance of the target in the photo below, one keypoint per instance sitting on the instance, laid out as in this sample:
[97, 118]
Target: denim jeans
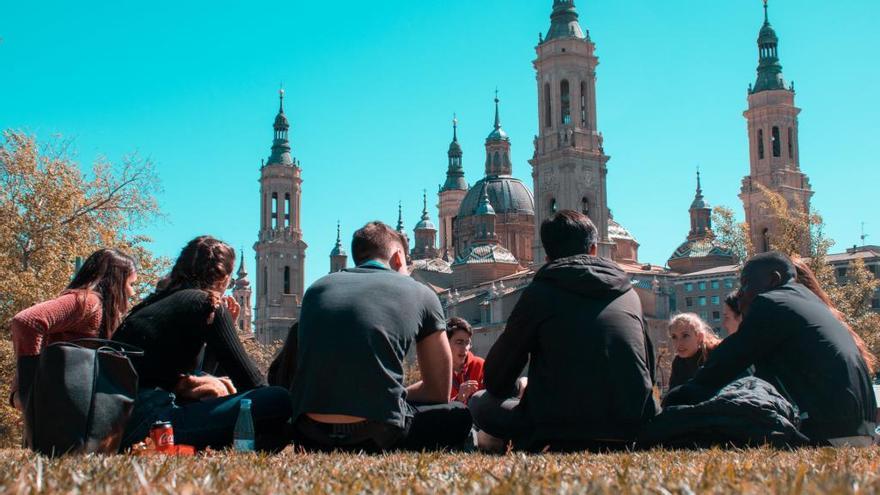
[210, 423]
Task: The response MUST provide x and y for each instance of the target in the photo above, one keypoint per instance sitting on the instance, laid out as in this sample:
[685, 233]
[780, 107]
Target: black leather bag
[78, 396]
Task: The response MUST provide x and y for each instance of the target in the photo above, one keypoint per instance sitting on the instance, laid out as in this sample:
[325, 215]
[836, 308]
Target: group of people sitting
[577, 332]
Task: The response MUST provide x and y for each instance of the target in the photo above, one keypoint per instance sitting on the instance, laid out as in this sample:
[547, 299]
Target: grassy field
[711, 471]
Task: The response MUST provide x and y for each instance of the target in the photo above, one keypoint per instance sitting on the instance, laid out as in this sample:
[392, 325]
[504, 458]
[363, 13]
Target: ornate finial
[699, 183]
[400, 227]
[766, 14]
[338, 232]
[497, 113]
[281, 99]
[454, 128]
[425, 203]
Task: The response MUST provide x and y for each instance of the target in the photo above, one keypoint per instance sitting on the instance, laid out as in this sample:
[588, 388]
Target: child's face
[685, 340]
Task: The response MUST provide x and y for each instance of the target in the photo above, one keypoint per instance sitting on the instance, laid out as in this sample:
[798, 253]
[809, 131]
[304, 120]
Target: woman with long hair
[732, 314]
[692, 340]
[187, 318]
[807, 278]
[91, 306]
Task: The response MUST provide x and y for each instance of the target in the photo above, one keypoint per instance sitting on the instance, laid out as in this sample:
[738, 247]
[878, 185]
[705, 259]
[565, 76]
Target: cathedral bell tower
[773, 145]
[451, 195]
[280, 248]
[569, 163]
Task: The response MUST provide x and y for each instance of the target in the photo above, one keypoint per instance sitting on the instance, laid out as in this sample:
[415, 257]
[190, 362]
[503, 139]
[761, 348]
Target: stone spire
[400, 227]
[485, 219]
[426, 219]
[455, 172]
[280, 144]
[426, 235]
[242, 280]
[338, 256]
[769, 68]
[701, 214]
[498, 147]
[564, 21]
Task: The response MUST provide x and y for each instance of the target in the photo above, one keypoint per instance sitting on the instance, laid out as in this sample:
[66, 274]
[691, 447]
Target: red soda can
[162, 435]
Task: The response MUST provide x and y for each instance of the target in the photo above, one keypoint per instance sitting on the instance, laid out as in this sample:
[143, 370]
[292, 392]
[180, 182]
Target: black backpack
[77, 396]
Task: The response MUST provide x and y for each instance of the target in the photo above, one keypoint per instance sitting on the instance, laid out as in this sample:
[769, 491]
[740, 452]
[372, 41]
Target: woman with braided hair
[185, 319]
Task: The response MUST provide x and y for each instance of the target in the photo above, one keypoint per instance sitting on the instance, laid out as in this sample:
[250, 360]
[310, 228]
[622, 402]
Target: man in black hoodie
[798, 345]
[580, 327]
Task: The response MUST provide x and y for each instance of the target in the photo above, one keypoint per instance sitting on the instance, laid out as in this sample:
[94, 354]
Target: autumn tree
[732, 234]
[51, 212]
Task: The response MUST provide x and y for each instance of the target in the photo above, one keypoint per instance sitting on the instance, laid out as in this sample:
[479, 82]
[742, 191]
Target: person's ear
[594, 250]
[398, 260]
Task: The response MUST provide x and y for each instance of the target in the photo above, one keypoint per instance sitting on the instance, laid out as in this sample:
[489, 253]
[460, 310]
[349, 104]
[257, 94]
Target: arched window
[274, 211]
[790, 143]
[583, 104]
[265, 281]
[565, 102]
[553, 206]
[287, 280]
[496, 162]
[777, 145]
[760, 144]
[287, 210]
[765, 241]
[585, 206]
[548, 113]
[265, 212]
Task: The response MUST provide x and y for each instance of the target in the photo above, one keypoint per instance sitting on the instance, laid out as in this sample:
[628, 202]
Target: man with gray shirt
[356, 326]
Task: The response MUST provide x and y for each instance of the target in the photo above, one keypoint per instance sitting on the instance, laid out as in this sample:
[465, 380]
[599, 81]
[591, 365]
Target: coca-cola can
[162, 435]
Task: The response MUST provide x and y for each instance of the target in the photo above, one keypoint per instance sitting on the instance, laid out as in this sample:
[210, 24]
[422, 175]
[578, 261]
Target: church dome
[618, 232]
[486, 253]
[702, 248]
[506, 195]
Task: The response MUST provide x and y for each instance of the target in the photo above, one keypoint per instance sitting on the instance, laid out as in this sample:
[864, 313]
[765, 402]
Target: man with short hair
[467, 369]
[799, 346]
[579, 326]
[355, 328]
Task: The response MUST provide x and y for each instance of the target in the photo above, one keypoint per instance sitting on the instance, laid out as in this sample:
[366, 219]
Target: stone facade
[280, 247]
[241, 292]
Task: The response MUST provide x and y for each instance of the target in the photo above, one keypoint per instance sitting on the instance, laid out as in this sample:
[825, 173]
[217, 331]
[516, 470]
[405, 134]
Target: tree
[51, 213]
[732, 234]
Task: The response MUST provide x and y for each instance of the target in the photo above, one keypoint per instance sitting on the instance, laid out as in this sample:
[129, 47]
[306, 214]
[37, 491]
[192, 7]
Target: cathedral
[485, 248]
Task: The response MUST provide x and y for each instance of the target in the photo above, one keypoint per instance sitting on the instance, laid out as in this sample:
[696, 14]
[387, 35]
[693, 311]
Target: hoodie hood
[588, 276]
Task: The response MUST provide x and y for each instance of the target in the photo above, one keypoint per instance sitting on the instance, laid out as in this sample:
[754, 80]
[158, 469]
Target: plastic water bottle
[243, 437]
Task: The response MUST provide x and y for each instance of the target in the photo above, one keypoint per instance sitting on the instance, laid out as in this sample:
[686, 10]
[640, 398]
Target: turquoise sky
[372, 86]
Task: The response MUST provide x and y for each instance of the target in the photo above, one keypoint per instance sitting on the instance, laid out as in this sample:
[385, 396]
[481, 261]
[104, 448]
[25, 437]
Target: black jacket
[747, 413]
[579, 325]
[803, 350]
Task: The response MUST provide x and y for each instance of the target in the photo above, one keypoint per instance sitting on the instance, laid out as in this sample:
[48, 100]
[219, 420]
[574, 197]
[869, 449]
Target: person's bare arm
[435, 362]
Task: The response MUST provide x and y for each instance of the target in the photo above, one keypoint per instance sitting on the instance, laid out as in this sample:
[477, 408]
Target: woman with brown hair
[807, 278]
[185, 319]
[91, 306]
[692, 340]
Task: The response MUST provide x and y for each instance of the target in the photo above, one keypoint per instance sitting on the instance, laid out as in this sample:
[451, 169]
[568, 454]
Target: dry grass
[712, 471]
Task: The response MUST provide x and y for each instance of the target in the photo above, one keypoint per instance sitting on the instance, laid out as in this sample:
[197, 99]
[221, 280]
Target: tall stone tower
[451, 195]
[241, 292]
[773, 144]
[280, 248]
[338, 256]
[425, 236]
[569, 164]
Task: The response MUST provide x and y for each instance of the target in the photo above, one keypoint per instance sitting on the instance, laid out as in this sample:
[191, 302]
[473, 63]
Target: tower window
[765, 241]
[777, 146]
[583, 104]
[760, 144]
[265, 281]
[548, 115]
[585, 206]
[565, 102]
[287, 210]
[287, 280]
[274, 210]
[790, 143]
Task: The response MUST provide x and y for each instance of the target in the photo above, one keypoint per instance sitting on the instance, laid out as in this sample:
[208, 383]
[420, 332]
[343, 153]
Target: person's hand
[521, 384]
[466, 390]
[193, 387]
[232, 306]
[16, 401]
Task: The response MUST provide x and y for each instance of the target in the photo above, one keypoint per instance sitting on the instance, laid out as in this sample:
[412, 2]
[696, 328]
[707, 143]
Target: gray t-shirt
[355, 328]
